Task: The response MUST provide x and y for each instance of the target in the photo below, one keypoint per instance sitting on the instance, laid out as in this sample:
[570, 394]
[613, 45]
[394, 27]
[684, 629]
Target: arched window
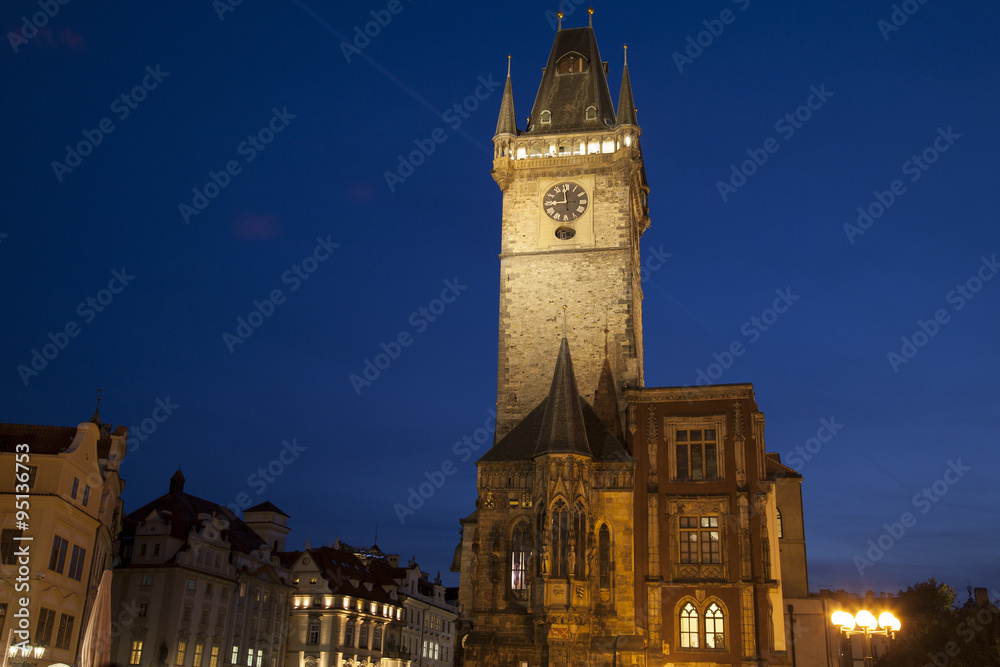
[545, 117]
[580, 543]
[591, 113]
[571, 63]
[560, 538]
[689, 626]
[519, 558]
[715, 634]
[781, 530]
[604, 556]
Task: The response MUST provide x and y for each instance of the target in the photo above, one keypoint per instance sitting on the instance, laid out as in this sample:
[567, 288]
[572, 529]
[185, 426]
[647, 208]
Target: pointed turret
[574, 95]
[96, 419]
[177, 482]
[563, 430]
[507, 122]
[626, 105]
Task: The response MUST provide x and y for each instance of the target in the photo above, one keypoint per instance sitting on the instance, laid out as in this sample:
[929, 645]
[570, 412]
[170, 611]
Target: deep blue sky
[323, 176]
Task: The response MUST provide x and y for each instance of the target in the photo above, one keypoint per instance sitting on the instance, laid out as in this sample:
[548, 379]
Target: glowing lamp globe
[843, 620]
[888, 621]
[866, 620]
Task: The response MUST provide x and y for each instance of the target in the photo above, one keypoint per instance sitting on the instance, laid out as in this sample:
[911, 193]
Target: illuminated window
[781, 530]
[604, 556]
[697, 456]
[699, 539]
[213, 660]
[181, 649]
[519, 559]
[135, 655]
[689, 626]
[199, 651]
[572, 63]
[715, 634]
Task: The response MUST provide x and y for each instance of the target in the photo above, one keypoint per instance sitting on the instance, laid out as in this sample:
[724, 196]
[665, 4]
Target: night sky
[211, 154]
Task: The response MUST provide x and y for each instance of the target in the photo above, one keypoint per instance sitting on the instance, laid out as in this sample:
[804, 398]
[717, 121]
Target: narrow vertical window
[135, 655]
[689, 626]
[715, 634]
[604, 556]
[560, 538]
[781, 530]
[519, 559]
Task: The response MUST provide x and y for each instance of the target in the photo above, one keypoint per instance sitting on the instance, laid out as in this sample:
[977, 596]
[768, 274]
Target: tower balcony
[523, 151]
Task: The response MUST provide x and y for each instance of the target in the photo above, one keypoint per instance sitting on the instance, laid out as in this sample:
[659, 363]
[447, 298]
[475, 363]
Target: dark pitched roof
[185, 512]
[562, 423]
[775, 468]
[347, 574]
[49, 440]
[266, 506]
[567, 96]
[562, 430]
[626, 106]
[507, 122]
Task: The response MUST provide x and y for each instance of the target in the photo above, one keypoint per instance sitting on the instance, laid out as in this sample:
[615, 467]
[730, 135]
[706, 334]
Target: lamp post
[26, 651]
[865, 623]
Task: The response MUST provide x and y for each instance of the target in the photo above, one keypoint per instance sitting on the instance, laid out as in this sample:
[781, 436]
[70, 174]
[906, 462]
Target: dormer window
[546, 117]
[572, 63]
[591, 113]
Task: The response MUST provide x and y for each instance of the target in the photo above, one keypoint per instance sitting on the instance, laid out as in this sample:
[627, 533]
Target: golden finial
[564, 318]
[626, 53]
[560, 15]
[591, 12]
[508, 65]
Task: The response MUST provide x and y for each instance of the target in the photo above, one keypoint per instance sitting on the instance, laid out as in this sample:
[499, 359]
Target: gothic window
[689, 626]
[579, 543]
[781, 530]
[546, 117]
[697, 454]
[519, 558]
[699, 539]
[715, 634]
[560, 538]
[604, 556]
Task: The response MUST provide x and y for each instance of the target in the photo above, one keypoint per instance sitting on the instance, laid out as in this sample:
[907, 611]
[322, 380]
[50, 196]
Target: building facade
[615, 524]
[66, 481]
[198, 587]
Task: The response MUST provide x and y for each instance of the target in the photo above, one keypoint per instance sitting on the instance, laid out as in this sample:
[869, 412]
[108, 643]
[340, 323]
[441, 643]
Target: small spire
[625, 46]
[564, 318]
[508, 65]
[626, 104]
[96, 419]
[560, 15]
[177, 482]
[506, 123]
[591, 12]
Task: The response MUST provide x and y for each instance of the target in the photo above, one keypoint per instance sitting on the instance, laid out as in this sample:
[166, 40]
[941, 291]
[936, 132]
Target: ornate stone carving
[744, 529]
[749, 628]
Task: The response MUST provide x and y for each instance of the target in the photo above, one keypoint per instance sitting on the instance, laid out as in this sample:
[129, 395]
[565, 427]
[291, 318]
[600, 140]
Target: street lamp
[865, 623]
[26, 650]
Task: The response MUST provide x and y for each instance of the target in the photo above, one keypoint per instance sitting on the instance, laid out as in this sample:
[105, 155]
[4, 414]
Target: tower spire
[591, 18]
[507, 123]
[96, 419]
[626, 105]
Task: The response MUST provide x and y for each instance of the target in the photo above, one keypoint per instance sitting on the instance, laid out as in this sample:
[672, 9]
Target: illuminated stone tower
[574, 207]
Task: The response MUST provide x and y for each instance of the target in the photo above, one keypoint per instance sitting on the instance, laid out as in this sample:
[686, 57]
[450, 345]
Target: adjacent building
[199, 586]
[65, 480]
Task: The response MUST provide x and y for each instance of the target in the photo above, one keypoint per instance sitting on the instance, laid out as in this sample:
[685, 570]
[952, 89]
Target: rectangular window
[86, 495]
[249, 657]
[8, 545]
[58, 557]
[76, 485]
[349, 635]
[697, 454]
[3, 617]
[65, 631]
[191, 584]
[314, 633]
[204, 615]
[243, 590]
[147, 580]
[76, 562]
[142, 549]
[142, 609]
[363, 637]
[181, 650]
[156, 549]
[46, 621]
[699, 539]
[213, 661]
[377, 638]
[260, 657]
[135, 655]
[199, 650]
[236, 655]
[186, 618]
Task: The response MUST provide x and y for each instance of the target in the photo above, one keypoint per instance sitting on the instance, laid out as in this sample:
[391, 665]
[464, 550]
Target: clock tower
[574, 208]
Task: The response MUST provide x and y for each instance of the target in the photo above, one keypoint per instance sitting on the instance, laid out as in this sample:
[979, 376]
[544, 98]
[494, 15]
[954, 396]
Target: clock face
[565, 202]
